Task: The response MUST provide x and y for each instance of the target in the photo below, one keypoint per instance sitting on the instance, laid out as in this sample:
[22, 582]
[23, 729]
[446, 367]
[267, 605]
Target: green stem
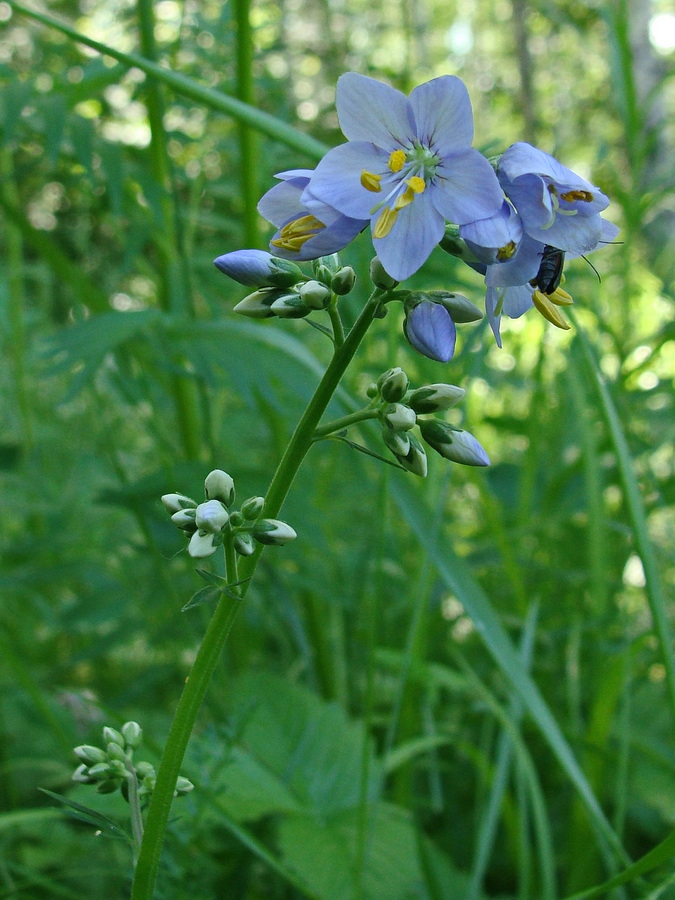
[336, 322]
[344, 422]
[226, 611]
[134, 810]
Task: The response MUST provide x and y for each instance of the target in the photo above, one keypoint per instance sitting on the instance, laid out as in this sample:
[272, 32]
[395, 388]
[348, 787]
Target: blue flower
[429, 329]
[307, 227]
[556, 206]
[408, 167]
[257, 268]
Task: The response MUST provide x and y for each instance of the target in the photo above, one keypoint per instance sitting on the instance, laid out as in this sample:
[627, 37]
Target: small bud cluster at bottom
[399, 409]
[210, 523]
[114, 767]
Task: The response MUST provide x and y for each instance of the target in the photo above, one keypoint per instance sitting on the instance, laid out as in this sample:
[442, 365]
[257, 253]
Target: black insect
[549, 276]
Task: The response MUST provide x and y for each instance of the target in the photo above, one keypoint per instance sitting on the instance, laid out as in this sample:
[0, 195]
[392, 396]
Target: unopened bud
[257, 305]
[393, 384]
[290, 306]
[115, 753]
[183, 786]
[243, 543]
[203, 544]
[272, 531]
[460, 307]
[314, 294]
[81, 775]
[112, 736]
[252, 508]
[185, 519]
[107, 787]
[325, 267]
[453, 443]
[89, 754]
[211, 516]
[415, 460]
[343, 281]
[399, 416]
[379, 276]
[218, 485]
[435, 397]
[144, 769]
[175, 502]
[132, 734]
[396, 441]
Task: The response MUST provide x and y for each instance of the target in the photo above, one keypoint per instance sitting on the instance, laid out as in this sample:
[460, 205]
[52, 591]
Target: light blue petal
[530, 196]
[492, 296]
[337, 178]
[494, 232]
[417, 230]
[573, 234]
[443, 115]
[520, 269]
[465, 188]
[430, 330]
[522, 159]
[369, 110]
[282, 202]
[517, 300]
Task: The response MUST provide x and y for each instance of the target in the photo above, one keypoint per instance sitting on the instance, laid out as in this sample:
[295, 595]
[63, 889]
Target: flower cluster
[211, 523]
[408, 171]
[114, 767]
[297, 297]
[400, 408]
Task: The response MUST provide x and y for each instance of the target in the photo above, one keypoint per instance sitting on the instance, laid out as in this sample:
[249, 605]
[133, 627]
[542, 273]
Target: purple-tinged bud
[211, 516]
[453, 443]
[258, 268]
[429, 329]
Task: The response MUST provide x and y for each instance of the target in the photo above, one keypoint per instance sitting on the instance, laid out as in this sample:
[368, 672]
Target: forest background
[368, 733]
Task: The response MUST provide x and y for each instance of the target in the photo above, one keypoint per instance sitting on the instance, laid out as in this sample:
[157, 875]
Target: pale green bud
[315, 295]
[380, 277]
[453, 443]
[397, 441]
[435, 397]
[203, 544]
[100, 770]
[89, 754]
[218, 485]
[415, 460]
[81, 775]
[211, 516]
[115, 753]
[184, 519]
[173, 503]
[118, 769]
[393, 385]
[257, 305]
[460, 307]
[112, 736]
[399, 416]
[243, 543]
[343, 281]
[183, 786]
[252, 508]
[372, 391]
[290, 306]
[144, 769]
[325, 267]
[272, 531]
[132, 734]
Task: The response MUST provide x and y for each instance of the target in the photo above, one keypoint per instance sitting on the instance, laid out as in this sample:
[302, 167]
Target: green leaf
[90, 816]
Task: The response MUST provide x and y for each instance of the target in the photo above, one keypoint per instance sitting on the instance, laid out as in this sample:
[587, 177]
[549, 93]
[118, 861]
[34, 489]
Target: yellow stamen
[396, 160]
[296, 233]
[404, 199]
[385, 222]
[416, 184]
[507, 251]
[548, 310]
[560, 297]
[371, 182]
[571, 196]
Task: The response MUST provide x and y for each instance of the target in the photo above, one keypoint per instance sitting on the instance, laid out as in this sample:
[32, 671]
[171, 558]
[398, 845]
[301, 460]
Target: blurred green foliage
[358, 741]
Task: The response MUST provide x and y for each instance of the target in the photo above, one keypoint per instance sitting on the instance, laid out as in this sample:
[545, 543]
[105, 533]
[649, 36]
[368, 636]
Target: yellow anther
[416, 184]
[396, 160]
[560, 297]
[549, 311]
[404, 199]
[371, 182]
[385, 222]
[571, 196]
[507, 251]
[296, 233]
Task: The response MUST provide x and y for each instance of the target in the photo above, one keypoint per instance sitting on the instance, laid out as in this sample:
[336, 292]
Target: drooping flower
[556, 205]
[408, 167]
[307, 227]
[429, 329]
